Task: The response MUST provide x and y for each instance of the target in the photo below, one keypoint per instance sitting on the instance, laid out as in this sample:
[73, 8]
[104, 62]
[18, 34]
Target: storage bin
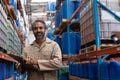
[2, 70]
[75, 69]
[105, 71]
[51, 6]
[58, 40]
[85, 70]
[92, 71]
[58, 17]
[74, 43]
[114, 70]
[80, 70]
[64, 77]
[70, 68]
[6, 69]
[67, 13]
[76, 5]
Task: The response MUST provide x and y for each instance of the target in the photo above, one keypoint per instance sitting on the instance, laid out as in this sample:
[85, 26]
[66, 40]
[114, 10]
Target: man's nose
[38, 29]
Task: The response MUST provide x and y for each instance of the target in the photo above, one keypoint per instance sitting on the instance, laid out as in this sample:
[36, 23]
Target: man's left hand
[31, 60]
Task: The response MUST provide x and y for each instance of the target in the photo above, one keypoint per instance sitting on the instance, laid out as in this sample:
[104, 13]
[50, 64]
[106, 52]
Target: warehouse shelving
[65, 22]
[96, 54]
[99, 55]
[6, 57]
[73, 26]
[58, 30]
[12, 19]
[11, 40]
[6, 66]
[68, 22]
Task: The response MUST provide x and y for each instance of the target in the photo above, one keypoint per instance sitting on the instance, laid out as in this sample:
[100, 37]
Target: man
[43, 54]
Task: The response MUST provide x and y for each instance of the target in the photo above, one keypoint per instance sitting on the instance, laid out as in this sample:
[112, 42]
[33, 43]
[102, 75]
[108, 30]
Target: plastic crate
[6, 69]
[51, 6]
[76, 5]
[67, 13]
[85, 70]
[74, 43]
[105, 75]
[58, 17]
[64, 77]
[114, 70]
[92, 71]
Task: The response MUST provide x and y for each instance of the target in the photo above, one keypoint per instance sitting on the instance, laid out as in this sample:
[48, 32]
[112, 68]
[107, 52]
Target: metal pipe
[96, 24]
[97, 35]
[117, 17]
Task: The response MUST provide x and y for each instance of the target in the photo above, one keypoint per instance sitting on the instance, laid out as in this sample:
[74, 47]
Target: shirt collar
[47, 41]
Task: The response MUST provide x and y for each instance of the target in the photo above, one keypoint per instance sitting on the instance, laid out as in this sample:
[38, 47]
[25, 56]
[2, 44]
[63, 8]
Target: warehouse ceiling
[38, 10]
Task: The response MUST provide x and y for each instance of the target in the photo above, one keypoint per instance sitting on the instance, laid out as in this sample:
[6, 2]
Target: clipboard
[23, 64]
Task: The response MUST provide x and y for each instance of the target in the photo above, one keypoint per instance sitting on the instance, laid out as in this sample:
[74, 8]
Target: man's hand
[30, 60]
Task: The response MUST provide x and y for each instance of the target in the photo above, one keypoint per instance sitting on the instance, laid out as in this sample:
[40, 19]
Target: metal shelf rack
[99, 54]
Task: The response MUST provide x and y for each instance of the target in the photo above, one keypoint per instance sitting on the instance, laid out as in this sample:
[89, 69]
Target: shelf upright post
[68, 29]
[97, 33]
[96, 24]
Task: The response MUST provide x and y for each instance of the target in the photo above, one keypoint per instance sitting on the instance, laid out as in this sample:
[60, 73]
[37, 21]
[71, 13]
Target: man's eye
[35, 28]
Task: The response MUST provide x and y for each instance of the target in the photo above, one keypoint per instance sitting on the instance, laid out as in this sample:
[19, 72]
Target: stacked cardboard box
[87, 25]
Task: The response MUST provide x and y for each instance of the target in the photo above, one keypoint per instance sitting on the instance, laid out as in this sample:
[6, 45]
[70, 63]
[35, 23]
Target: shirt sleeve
[54, 63]
[27, 66]
[24, 53]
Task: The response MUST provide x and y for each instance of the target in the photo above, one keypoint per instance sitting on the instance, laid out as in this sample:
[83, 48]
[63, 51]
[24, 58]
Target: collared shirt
[49, 59]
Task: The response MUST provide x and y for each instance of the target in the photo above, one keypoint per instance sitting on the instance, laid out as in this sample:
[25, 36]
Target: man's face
[39, 30]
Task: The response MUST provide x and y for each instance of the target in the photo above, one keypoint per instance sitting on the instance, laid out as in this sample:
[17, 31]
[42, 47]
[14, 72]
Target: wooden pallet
[66, 55]
[93, 48]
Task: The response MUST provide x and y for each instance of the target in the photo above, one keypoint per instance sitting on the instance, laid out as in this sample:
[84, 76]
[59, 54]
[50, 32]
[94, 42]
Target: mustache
[39, 35]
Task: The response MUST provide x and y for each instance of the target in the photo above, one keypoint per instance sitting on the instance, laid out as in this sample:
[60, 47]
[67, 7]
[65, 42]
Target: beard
[39, 35]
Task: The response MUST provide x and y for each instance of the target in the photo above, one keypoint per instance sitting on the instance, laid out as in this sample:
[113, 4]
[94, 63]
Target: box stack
[107, 27]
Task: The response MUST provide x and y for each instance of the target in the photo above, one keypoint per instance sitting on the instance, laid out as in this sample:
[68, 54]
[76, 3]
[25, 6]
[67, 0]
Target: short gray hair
[39, 21]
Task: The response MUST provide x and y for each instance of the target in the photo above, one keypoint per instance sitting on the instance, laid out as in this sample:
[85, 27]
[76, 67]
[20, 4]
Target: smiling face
[39, 30]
